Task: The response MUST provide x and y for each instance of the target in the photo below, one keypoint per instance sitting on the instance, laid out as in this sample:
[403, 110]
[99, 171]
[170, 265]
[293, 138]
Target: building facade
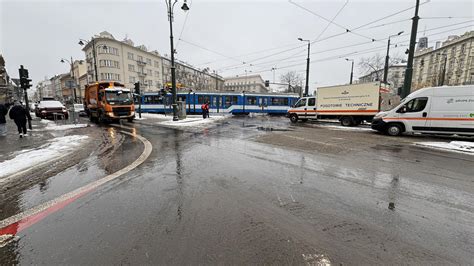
[44, 88]
[451, 63]
[247, 83]
[395, 76]
[126, 63]
[189, 77]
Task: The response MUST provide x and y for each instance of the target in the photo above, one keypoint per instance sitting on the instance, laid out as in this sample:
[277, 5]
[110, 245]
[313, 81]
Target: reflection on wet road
[236, 193]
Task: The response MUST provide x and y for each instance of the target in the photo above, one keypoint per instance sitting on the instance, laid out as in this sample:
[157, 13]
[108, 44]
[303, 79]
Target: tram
[220, 102]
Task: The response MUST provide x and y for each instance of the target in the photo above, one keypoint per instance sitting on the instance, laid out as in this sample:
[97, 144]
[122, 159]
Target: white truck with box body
[350, 104]
[435, 110]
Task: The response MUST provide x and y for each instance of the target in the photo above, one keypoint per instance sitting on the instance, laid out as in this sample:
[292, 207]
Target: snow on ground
[192, 121]
[53, 149]
[463, 146]
[51, 125]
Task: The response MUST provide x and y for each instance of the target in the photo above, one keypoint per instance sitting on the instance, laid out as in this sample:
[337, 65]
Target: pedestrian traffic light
[267, 83]
[24, 80]
[137, 88]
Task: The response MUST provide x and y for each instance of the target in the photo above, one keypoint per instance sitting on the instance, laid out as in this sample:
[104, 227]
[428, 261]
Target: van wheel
[394, 130]
[294, 118]
[347, 121]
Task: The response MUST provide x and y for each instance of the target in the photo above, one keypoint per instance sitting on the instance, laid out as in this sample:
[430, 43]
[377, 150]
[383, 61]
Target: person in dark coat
[20, 116]
[3, 121]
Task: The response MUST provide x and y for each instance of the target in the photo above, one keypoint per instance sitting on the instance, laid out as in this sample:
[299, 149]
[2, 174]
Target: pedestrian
[3, 121]
[203, 110]
[20, 116]
[207, 109]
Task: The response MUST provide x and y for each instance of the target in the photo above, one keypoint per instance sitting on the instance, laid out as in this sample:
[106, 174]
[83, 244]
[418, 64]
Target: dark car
[50, 109]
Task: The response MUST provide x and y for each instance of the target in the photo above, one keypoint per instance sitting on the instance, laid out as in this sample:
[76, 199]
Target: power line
[332, 20]
[209, 50]
[184, 24]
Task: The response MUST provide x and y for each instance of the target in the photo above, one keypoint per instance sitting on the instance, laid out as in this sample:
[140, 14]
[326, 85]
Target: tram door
[263, 104]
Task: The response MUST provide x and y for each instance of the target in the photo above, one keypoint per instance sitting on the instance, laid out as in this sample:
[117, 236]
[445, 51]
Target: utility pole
[306, 87]
[411, 52]
[352, 69]
[387, 57]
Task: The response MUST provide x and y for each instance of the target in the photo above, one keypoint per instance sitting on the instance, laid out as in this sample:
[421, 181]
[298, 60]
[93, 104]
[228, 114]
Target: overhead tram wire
[272, 62]
[332, 22]
[184, 24]
[209, 50]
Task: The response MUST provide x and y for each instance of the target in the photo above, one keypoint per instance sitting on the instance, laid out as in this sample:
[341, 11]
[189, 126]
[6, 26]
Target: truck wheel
[347, 121]
[394, 130]
[294, 118]
[130, 119]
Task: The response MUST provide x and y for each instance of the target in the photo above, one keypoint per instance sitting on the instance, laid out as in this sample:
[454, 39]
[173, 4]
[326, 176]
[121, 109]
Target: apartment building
[395, 75]
[247, 83]
[448, 63]
[124, 62]
[189, 77]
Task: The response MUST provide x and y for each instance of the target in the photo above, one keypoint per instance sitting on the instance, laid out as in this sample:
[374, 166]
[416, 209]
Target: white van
[445, 110]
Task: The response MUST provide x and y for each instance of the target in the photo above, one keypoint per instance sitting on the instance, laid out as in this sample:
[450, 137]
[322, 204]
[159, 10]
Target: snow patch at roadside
[192, 122]
[54, 148]
[52, 126]
[462, 146]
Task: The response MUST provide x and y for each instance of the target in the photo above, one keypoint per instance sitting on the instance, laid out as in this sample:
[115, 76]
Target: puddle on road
[316, 259]
[272, 129]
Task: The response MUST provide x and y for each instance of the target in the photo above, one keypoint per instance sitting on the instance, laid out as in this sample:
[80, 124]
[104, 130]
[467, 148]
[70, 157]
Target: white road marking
[84, 189]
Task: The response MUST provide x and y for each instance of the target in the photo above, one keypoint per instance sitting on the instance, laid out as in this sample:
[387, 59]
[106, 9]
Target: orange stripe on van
[430, 118]
[348, 111]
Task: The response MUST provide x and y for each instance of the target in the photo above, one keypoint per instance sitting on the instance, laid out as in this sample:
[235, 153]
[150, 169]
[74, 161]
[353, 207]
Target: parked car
[48, 109]
[79, 108]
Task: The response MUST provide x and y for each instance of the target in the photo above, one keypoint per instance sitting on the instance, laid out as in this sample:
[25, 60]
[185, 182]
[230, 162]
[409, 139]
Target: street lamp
[94, 55]
[170, 7]
[352, 68]
[306, 87]
[71, 63]
[385, 70]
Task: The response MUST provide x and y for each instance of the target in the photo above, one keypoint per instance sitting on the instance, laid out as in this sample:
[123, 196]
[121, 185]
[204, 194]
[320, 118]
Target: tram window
[148, 99]
[234, 99]
[279, 101]
[156, 99]
[214, 100]
[200, 99]
[251, 100]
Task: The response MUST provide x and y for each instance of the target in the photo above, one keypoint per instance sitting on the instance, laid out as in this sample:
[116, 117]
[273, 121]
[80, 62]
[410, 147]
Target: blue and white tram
[221, 102]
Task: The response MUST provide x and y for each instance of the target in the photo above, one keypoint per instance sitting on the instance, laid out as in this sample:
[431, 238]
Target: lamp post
[352, 69]
[94, 55]
[385, 70]
[170, 7]
[306, 87]
[71, 63]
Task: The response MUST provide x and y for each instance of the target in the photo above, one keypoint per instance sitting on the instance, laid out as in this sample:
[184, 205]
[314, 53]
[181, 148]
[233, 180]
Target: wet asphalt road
[239, 192]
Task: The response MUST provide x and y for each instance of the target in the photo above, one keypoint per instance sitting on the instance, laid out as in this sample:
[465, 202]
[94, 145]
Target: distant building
[44, 89]
[126, 63]
[247, 83]
[395, 75]
[449, 63]
[422, 43]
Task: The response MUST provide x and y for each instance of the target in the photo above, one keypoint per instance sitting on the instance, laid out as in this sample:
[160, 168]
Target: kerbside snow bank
[52, 126]
[54, 148]
[193, 121]
[463, 146]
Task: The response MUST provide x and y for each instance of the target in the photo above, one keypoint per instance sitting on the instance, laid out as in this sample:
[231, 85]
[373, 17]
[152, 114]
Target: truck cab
[303, 109]
[109, 101]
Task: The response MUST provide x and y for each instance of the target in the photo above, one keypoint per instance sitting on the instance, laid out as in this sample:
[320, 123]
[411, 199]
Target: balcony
[141, 63]
[141, 74]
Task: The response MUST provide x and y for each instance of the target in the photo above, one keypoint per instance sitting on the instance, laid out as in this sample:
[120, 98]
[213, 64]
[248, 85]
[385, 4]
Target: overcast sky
[223, 34]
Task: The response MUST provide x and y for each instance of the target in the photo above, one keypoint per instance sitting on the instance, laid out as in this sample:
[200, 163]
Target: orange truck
[108, 101]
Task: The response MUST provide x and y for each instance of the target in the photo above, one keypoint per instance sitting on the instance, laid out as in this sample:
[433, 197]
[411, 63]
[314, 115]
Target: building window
[108, 50]
[148, 61]
[109, 63]
[131, 79]
[130, 56]
[131, 68]
[139, 58]
[109, 76]
[157, 64]
[149, 72]
[463, 48]
[157, 73]
[150, 83]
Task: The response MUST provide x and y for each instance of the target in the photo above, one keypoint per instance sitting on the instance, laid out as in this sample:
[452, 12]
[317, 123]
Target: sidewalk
[45, 142]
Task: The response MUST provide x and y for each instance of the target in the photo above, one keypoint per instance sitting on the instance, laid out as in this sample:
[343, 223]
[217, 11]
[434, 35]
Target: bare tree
[293, 79]
[376, 63]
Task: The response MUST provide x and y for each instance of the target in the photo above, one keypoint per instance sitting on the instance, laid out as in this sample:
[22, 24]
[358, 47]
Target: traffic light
[267, 83]
[24, 80]
[137, 88]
